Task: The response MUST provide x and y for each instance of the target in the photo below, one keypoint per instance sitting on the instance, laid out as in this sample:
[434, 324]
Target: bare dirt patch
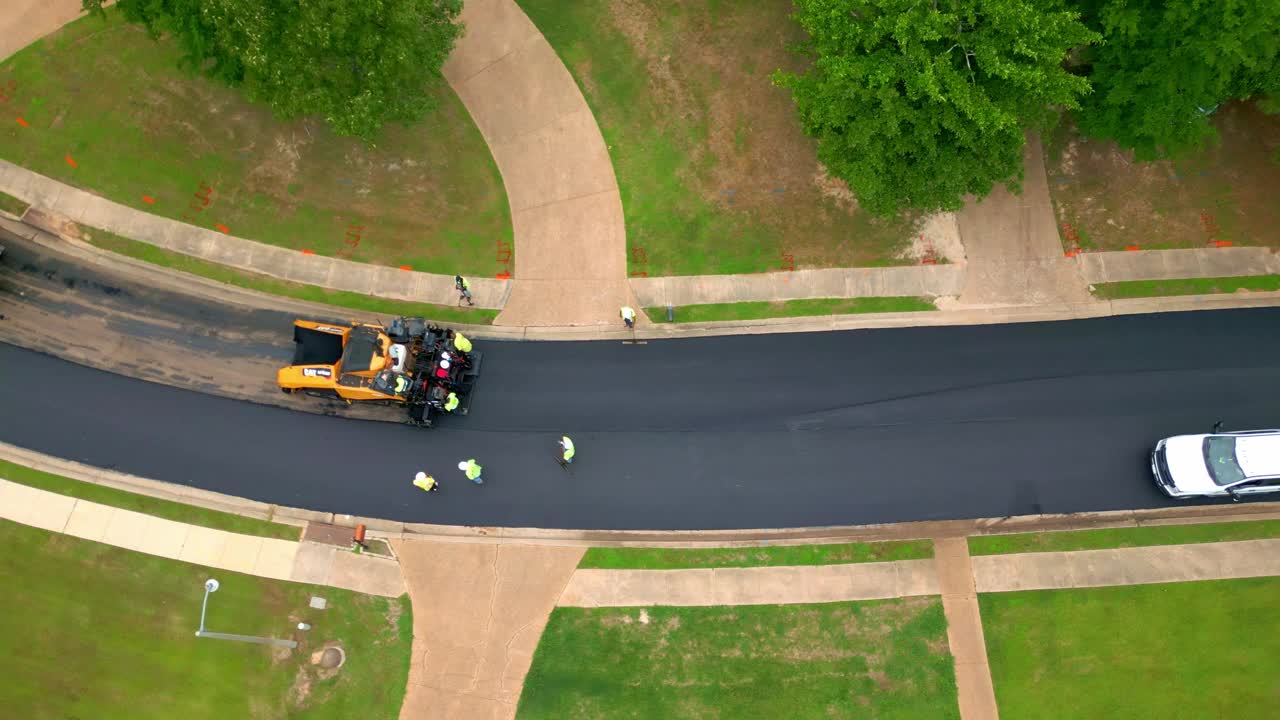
[1226, 193]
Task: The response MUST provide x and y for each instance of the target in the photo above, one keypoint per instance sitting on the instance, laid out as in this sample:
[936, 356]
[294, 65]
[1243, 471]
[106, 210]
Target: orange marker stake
[71, 162]
[1131, 248]
[23, 123]
[223, 228]
[308, 252]
[405, 267]
[148, 200]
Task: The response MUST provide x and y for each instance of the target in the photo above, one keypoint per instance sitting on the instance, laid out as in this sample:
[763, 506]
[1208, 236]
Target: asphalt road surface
[738, 432]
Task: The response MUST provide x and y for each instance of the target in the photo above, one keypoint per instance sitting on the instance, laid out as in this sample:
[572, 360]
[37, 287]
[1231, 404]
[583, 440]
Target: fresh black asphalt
[737, 432]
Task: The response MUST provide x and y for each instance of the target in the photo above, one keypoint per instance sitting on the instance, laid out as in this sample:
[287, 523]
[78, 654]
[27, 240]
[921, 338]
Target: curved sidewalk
[566, 212]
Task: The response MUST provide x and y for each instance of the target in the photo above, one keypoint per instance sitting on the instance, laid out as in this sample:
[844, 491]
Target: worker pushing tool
[464, 289]
[566, 450]
[628, 316]
[426, 482]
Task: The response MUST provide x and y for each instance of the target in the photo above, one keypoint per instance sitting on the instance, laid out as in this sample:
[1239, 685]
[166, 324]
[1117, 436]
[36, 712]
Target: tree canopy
[357, 63]
[1165, 66]
[916, 103]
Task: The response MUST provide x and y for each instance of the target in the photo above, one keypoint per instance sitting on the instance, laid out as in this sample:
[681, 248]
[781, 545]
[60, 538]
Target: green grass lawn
[263, 283]
[715, 172]
[1183, 650]
[885, 659]
[790, 308]
[12, 205]
[1190, 286]
[92, 631]
[1122, 537]
[114, 101]
[146, 504]
[1109, 201]
[679, 558]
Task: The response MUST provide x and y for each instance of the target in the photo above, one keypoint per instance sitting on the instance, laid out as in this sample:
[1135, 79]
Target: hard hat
[420, 476]
[462, 465]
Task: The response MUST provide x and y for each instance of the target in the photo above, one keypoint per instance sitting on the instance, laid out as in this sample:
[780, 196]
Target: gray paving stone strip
[61, 201]
[912, 280]
[264, 557]
[1106, 267]
[1127, 566]
[750, 586]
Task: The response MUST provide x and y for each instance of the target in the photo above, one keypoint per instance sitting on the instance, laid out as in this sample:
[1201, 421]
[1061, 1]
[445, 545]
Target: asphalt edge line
[918, 530]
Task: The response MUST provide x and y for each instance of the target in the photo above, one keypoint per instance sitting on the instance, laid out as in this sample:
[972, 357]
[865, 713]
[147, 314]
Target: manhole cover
[331, 658]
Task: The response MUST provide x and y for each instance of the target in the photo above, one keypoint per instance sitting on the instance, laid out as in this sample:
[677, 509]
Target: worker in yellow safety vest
[566, 456]
[628, 316]
[451, 402]
[461, 343]
[472, 470]
[426, 482]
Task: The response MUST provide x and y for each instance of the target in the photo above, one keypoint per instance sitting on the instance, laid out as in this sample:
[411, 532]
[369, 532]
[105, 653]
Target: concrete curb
[1188, 515]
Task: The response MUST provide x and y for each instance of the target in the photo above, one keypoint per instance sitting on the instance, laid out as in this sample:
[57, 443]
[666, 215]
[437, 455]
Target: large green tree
[1165, 65]
[356, 63]
[915, 102]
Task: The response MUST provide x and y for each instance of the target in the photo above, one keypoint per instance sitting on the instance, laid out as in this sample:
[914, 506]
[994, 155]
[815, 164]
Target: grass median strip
[1122, 537]
[1188, 286]
[791, 308]
[1182, 650]
[145, 504]
[881, 659]
[12, 205]
[262, 283]
[681, 558]
[92, 631]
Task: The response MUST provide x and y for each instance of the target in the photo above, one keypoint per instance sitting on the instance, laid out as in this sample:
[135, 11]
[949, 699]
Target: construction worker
[566, 445]
[472, 469]
[426, 482]
[628, 316]
[451, 402]
[461, 343]
[464, 289]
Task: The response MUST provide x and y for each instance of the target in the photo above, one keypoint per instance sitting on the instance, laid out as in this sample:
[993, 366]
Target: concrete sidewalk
[1127, 566]
[265, 557]
[1106, 267]
[25, 21]
[751, 585]
[566, 212]
[479, 611]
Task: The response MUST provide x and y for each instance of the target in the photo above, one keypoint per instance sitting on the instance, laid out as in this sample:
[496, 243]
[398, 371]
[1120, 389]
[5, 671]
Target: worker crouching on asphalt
[472, 470]
[566, 448]
[628, 316]
[426, 482]
[451, 402]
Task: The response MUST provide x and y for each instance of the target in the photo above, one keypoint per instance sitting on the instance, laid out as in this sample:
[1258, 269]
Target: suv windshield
[1220, 457]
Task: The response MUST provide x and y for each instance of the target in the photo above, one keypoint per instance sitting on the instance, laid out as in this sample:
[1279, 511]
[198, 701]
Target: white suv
[1218, 464]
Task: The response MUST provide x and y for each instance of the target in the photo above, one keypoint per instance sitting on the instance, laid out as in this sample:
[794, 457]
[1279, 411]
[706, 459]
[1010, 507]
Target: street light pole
[210, 586]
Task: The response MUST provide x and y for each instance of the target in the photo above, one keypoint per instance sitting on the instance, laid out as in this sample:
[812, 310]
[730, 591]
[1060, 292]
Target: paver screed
[566, 212]
[478, 612]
